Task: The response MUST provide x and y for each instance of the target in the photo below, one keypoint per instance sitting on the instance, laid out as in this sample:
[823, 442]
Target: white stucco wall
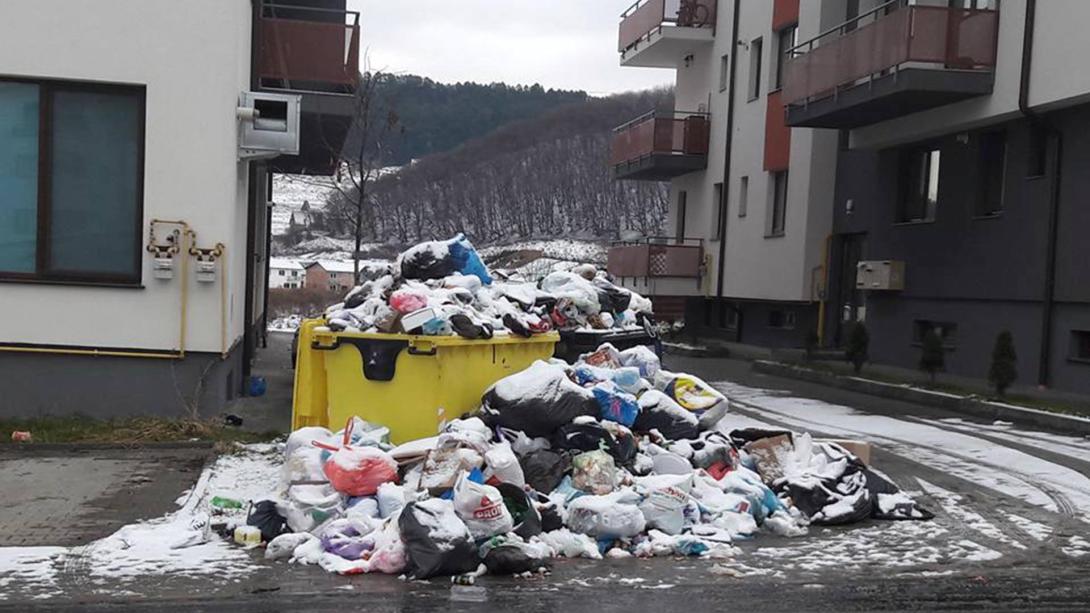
[194, 59]
[757, 267]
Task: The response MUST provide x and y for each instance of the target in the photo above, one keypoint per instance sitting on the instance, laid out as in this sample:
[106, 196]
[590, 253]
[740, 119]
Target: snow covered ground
[557, 249]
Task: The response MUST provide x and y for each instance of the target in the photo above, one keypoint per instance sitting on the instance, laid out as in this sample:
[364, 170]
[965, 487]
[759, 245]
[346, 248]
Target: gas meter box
[206, 271]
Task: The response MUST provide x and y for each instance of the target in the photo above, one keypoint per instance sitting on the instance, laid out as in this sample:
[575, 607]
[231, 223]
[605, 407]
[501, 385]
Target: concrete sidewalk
[72, 496]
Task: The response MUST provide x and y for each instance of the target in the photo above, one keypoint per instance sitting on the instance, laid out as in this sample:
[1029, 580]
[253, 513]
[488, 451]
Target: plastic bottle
[222, 502]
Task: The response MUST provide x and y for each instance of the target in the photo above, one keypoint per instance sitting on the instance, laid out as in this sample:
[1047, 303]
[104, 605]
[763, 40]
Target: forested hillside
[438, 117]
[543, 177]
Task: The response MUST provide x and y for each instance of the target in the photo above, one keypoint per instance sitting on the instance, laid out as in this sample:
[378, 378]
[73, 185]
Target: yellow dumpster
[410, 384]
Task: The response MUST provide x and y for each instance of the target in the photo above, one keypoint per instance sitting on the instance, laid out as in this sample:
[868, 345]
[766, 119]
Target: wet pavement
[1012, 532]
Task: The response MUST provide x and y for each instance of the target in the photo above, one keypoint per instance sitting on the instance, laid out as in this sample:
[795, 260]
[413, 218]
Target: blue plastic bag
[466, 259]
[616, 405]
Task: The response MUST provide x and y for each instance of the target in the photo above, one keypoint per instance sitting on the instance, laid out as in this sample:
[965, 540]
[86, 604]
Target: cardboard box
[860, 449]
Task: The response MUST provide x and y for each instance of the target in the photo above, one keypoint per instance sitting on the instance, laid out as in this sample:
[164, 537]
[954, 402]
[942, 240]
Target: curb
[30, 448]
[968, 405]
[695, 352]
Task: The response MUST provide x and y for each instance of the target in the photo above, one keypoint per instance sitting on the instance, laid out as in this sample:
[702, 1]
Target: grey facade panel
[982, 274]
[38, 384]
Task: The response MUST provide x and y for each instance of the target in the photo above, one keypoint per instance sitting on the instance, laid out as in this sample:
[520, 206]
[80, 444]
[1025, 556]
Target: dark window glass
[783, 320]
[1037, 162]
[724, 72]
[787, 39]
[95, 183]
[720, 207]
[920, 185]
[1080, 344]
[992, 169]
[86, 142]
[682, 203]
[756, 50]
[947, 331]
[779, 203]
[18, 177]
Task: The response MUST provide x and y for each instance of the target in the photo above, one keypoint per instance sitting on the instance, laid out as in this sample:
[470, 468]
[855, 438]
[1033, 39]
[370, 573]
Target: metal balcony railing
[889, 37]
[307, 48]
[657, 257]
[658, 133]
[647, 17]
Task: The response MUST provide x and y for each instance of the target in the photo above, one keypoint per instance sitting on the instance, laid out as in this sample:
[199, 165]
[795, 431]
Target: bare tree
[373, 127]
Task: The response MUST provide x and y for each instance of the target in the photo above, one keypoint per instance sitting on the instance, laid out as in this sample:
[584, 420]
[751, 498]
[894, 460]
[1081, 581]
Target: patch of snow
[953, 505]
[1036, 530]
[1078, 547]
[558, 249]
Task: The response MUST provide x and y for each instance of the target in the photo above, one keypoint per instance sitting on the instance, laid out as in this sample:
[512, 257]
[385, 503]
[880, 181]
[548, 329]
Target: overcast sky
[570, 44]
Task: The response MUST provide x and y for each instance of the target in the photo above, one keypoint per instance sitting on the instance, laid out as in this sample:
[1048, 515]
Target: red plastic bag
[357, 471]
[404, 301]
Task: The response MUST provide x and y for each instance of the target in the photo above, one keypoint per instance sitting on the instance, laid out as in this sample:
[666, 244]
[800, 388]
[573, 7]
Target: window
[87, 142]
[947, 331]
[743, 196]
[781, 320]
[992, 172]
[1037, 162]
[755, 51]
[720, 218]
[724, 72]
[1080, 345]
[787, 39]
[682, 202]
[778, 221]
[920, 188]
[281, 271]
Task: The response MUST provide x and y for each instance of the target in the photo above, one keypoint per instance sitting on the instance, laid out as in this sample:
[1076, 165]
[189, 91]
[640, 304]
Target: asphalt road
[1012, 512]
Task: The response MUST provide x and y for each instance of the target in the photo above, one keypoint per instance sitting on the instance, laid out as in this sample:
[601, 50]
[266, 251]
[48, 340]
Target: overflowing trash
[613, 456]
[443, 288]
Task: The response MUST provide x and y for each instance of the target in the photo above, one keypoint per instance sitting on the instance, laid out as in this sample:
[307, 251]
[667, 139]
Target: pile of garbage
[443, 288]
[613, 456]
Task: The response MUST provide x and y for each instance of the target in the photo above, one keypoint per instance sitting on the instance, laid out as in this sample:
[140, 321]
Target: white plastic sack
[391, 499]
[665, 499]
[568, 285]
[309, 506]
[284, 545]
[502, 463]
[605, 516]
[303, 437]
[481, 508]
[570, 544]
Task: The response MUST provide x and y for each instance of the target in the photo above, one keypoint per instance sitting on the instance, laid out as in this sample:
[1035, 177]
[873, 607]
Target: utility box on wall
[268, 125]
[880, 275]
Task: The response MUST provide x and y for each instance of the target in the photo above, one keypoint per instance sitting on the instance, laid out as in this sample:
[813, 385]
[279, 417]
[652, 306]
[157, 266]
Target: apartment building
[751, 199]
[331, 275]
[959, 197]
[286, 273]
[137, 143]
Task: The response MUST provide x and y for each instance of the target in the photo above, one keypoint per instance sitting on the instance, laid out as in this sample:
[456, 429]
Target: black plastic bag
[878, 486]
[428, 557]
[423, 263]
[660, 412]
[513, 559]
[544, 469]
[518, 502]
[266, 518]
[554, 401]
[593, 436]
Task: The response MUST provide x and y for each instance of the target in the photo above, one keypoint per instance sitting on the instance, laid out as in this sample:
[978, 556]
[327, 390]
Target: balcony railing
[658, 133]
[657, 257]
[887, 39]
[648, 17]
[306, 48]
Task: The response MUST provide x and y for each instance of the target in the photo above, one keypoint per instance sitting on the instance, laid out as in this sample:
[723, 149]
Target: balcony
[660, 33]
[308, 49]
[657, 258]
[311, 47]
[660, 146]
[890, 62]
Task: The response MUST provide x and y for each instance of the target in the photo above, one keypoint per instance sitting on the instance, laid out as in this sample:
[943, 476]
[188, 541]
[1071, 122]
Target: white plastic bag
[391, 499]
[666, 497]
[569, 544]
[501, 462]
[481, 508]
[309, 506]
[284, 545]
[606, 516]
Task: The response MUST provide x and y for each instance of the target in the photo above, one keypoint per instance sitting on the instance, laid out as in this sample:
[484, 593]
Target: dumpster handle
[315, 345]
[414, 351]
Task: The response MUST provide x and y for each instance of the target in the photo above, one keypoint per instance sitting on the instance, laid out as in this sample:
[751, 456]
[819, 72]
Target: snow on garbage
[443, 288]
[545, 470]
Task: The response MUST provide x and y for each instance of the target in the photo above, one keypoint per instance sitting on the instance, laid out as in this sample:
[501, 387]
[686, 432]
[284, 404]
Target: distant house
[331, 275]
[286, 273]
